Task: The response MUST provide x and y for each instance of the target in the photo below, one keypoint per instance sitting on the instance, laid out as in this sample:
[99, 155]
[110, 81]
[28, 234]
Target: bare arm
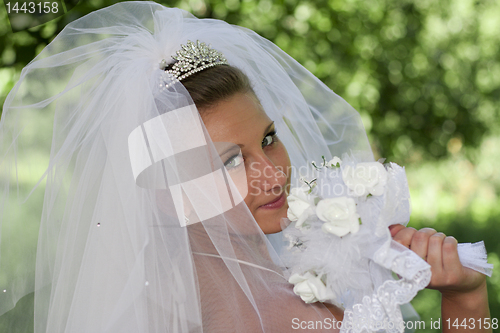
[463, 291]
[467, 312]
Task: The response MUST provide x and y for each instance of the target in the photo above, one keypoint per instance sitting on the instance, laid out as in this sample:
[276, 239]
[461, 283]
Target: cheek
[281, 159]
[253, 189]
[240, 181]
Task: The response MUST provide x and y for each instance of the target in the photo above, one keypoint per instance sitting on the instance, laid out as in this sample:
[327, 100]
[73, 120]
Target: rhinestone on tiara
[193, 58]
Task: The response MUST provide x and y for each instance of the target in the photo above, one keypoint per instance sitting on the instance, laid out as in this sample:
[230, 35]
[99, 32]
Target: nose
[266, 177]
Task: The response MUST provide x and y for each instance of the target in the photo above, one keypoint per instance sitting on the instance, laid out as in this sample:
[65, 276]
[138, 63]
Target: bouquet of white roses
[340, 248]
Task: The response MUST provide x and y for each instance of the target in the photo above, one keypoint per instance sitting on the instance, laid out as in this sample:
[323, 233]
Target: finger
[420, 242]
[451, 261]
[404, 236]
[395, 228]
[435, 253]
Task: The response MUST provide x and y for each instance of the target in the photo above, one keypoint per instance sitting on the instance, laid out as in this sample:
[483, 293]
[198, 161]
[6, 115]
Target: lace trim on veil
[381, 309]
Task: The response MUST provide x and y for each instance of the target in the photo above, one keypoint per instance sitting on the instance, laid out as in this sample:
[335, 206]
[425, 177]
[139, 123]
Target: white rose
[366, 178]
[300, 206]
[339, 215]
[310, 288]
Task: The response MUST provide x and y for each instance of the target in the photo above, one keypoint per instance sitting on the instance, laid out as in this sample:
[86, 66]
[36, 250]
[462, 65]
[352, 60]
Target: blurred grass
[461, 198]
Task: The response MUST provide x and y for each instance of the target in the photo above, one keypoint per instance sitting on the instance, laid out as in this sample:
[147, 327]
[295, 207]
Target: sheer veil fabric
[116, 208]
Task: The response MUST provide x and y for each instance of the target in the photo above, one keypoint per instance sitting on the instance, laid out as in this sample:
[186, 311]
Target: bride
[141, 169]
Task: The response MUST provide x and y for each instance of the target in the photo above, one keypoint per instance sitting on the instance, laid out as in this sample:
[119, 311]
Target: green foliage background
[424, 74]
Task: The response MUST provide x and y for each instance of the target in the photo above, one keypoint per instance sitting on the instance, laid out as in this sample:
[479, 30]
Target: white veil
[102, 167]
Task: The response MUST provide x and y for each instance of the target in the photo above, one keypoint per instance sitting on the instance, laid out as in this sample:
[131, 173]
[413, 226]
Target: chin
[270, 221]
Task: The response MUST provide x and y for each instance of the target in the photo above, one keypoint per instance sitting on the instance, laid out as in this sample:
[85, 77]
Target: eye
[234, 161]
[270, 138]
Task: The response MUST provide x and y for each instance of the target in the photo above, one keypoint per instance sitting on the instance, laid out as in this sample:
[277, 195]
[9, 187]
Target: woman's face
[240, 119]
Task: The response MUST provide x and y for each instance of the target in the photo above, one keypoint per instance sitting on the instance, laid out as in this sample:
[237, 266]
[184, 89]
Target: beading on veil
[150, 165]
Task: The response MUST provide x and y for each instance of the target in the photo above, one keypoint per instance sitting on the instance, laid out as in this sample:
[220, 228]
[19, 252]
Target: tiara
[193, 58]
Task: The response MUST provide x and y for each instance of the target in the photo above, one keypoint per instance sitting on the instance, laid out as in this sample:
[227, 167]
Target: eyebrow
[229, 150]
[242, 145]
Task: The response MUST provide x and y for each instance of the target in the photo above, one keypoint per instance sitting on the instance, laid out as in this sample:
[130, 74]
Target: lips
[276, 203]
